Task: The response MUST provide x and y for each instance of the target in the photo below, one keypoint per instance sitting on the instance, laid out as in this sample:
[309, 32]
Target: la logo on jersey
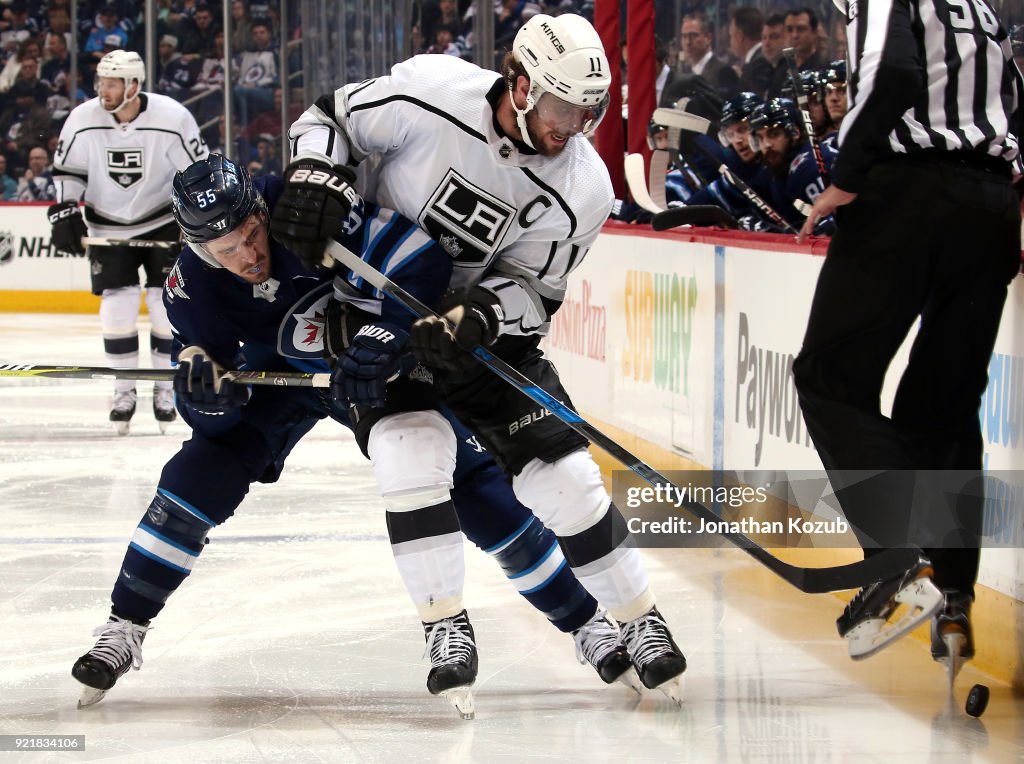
[124, 166]
[467, 221]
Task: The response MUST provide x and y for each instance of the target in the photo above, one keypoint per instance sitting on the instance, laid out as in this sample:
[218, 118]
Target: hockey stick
[811, 580]
[696, 215]
[805, 111]
[636, 179]
[697, 124]
[656, 177]
[278, 378]
[102, 241]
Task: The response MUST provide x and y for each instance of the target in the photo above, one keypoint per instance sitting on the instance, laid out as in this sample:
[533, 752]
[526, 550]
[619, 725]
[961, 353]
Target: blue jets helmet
[835, 73]
[211, 198]
[778, 112]
[812, 81]
[735, 110]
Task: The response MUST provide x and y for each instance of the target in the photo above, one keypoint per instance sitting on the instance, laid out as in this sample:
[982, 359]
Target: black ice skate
[122, 409]
[599, 643]
[884, 611]
[451, 647]
[658, 661]
[163, 407]
[952, 640]
[118, 649]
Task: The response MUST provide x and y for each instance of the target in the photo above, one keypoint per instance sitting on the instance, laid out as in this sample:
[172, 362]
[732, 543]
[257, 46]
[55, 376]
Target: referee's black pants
[936, 238]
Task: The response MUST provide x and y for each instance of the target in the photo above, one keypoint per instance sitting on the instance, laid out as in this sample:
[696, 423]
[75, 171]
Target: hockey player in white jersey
[119, 152]
[498, 170]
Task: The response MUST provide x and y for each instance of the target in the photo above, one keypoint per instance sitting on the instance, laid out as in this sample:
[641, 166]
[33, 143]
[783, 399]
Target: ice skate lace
[119, 642]
[163, 399]
[595, 639]
[646, 638]
[124, 401]
[448, 644]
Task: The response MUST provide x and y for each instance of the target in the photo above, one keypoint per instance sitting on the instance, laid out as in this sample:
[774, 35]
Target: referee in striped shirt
[928, 227]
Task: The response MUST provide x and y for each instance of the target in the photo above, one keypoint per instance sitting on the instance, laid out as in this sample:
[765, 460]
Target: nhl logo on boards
[125, 166]
[6, 247]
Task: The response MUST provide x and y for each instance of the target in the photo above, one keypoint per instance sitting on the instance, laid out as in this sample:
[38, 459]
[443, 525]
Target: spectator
[8, 185]
[167, 51]
[746, 26]
[57, 67]
[773, 40]
[16, 27]
[698, 58]
[444, 41]
[445, 12]
[59, 22]
[255, 75]
[36, 185]
[241, 27]
[197, 34]
[29, 48]
[802, 37]
[266, 155]
[26, 121]
[101, 40]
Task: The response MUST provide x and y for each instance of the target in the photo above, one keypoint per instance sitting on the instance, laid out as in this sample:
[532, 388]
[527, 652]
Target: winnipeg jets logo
[474, 220]
[302, 331]
[125, 166]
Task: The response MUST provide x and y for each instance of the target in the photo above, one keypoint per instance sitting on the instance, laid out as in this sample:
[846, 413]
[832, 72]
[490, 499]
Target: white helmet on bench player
[127, 66]
[568, 70]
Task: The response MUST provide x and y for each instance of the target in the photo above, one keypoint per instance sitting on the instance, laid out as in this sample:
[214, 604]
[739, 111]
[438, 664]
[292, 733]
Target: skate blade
[921, 598]
[121, 428]
[163, 427]
[631, 680]
[673, 690]
[90, 696]
[461, 699]
[954, 661]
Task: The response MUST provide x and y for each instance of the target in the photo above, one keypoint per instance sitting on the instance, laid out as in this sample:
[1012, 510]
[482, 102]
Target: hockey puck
[977, 700]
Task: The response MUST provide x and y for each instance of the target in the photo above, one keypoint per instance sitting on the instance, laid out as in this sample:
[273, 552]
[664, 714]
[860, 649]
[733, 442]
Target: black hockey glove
[377, 355]
[199, 383]
[468, 319]
[68, 228]
[313, 208]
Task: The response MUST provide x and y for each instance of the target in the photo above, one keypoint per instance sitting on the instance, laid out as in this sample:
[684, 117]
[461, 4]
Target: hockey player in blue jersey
[777, 133]
[737, 155]
[238, 299]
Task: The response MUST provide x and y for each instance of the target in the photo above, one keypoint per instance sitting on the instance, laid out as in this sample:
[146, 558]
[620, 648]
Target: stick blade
[695, 215]
[683, 120]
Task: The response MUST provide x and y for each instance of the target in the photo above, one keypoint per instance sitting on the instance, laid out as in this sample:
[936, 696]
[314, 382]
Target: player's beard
[533, 127]
[777, 162]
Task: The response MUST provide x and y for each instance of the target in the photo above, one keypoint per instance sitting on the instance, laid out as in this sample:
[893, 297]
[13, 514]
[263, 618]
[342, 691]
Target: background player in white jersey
[119, 151]
[495, 168]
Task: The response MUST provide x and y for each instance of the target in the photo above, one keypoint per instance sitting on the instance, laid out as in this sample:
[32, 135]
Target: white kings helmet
[124, 65]
[564, 58]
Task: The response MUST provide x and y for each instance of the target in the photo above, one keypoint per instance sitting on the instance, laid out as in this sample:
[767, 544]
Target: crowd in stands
[36, 40]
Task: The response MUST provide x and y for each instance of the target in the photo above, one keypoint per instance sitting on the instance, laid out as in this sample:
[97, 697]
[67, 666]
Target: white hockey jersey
[516, 222]
[125, 169]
